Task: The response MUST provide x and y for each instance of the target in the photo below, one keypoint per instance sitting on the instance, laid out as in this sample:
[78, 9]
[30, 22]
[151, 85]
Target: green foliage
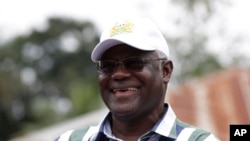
[83, 97]
[189, 49]
[47, 76]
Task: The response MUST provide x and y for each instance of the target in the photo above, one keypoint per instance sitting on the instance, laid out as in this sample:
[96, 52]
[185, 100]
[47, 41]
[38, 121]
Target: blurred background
[47, 77]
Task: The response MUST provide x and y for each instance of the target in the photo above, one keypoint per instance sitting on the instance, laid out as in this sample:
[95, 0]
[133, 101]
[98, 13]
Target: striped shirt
[168, 128]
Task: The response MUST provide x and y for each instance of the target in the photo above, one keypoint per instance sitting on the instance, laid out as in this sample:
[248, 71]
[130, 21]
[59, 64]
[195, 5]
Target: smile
[125, 89]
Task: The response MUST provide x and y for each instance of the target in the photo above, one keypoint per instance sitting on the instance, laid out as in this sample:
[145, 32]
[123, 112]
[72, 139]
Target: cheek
[151, 75]
[153, 80]
[102, 81]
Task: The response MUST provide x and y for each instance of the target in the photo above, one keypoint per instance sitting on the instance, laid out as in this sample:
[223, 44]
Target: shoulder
[73, 135]
[193, 133]
[196, 134]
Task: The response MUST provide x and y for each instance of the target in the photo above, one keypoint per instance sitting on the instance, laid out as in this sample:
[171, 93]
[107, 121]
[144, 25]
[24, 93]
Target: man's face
[132, 94]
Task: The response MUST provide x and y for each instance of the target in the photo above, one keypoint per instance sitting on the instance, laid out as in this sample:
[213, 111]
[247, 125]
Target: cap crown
[139, 33]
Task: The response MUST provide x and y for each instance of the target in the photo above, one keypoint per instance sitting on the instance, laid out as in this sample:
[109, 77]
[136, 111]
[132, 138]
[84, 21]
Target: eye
[106, 65]
[133, 63]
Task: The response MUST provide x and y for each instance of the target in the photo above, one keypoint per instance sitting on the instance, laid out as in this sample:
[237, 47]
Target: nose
[120, 71]
[119, 66]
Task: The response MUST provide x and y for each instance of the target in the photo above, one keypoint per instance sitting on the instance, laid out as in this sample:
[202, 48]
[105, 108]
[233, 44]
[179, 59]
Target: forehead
[123, 51]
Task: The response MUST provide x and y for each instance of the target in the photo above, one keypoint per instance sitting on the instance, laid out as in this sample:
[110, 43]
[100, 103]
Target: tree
[47, 76]
[190, 46]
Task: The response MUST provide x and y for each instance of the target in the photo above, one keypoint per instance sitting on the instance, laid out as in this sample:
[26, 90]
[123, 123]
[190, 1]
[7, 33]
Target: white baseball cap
[139, 33]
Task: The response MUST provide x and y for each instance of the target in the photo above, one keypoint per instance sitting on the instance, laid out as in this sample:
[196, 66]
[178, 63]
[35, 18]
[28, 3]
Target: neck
[134, 128]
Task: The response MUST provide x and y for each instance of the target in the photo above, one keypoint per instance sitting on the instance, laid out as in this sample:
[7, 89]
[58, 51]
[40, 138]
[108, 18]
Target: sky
[20, 16]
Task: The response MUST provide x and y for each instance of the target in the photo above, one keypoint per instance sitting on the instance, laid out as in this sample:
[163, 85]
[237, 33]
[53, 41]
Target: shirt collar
[165, 126]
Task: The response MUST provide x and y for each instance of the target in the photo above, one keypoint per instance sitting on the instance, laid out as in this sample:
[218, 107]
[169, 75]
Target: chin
[125, 114]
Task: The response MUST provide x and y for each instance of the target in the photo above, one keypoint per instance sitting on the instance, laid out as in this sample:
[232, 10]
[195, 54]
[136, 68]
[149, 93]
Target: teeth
[132, 89]
[128, 89]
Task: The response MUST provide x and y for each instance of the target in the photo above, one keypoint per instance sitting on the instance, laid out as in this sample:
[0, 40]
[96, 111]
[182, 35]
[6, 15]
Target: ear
[167, 69]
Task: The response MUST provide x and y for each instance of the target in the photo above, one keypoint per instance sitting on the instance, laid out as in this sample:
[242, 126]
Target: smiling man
[134, 70]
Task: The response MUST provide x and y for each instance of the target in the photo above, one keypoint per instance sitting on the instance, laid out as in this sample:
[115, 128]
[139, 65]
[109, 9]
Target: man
[134, 69]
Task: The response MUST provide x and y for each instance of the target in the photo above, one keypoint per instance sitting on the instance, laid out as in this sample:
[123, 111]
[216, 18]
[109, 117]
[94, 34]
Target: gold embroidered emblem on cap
[126, 27]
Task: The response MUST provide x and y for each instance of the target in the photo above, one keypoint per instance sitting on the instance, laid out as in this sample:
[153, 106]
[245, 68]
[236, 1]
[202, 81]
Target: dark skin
[135, 99]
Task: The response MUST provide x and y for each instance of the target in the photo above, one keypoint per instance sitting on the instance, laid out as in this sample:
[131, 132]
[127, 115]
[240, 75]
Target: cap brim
[108, 43]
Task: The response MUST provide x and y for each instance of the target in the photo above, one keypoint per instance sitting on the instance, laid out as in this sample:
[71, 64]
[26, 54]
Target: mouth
[123, 90]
